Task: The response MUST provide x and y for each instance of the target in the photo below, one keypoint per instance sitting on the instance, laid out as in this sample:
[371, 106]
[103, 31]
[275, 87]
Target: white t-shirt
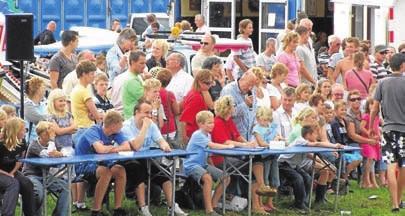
[204, 29]
[180, 84]
[265, 101]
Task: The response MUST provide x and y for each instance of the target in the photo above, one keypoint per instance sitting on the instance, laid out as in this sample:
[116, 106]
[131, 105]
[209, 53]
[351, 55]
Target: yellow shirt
[80, 112]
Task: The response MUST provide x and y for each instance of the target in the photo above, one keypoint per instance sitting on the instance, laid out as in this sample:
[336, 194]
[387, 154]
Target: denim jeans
[58, 187]
[271, 172]
[9, 188]
[300, 181]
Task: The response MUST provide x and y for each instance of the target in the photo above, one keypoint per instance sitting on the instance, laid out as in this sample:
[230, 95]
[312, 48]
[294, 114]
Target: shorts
[198, 172]
[393, 148]
[137, 173]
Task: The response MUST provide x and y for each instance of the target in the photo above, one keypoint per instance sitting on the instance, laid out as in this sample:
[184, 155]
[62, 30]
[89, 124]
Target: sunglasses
[383, 53]
[338, 94]
[355, 99]
[204, 43]
[208, 83]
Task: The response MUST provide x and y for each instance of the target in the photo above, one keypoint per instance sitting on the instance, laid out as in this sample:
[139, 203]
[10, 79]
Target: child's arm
[363, 128]
[67, 130]
[325, 144]
[260, 140]
[219, 146]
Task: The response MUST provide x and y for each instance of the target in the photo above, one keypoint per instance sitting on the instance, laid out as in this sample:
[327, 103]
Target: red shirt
[223, 130]
[193, 103]
[167, 99]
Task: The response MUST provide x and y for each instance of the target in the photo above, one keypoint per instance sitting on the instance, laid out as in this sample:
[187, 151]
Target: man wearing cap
[390, 94]
[377, 67]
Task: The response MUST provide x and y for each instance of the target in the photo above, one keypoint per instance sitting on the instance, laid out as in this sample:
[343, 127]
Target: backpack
[190, 196]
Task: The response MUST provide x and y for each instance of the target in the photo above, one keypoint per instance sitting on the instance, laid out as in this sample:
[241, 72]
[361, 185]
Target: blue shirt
[267, 133]
[244, 116]
[113, 62]
[96, 134]
[152, 137]
[198, 143]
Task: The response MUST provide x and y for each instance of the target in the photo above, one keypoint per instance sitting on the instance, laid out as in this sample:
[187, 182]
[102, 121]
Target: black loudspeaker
[20, 44]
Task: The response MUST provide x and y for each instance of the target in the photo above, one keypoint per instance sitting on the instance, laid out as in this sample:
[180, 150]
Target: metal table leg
[224, 186]
[312, 182]
[148, 165]
[173, 185]
[69, 173]
[44, 186]
[250, 186]
[338, 181]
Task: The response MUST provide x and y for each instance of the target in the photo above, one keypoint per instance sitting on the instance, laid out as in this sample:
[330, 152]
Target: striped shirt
[378, 70]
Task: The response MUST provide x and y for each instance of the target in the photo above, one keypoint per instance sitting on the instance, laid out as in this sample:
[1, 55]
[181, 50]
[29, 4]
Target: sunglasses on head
[204, 43]
[355, 99]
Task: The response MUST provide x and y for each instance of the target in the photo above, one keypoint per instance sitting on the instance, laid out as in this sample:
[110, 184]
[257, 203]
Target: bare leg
[140, 194]
[366, 183]
[167, 190]
[104, 176]
[401, 183]
[218, 191]
[393, 184]
[207, 185]
[258, 173]
[118, 172]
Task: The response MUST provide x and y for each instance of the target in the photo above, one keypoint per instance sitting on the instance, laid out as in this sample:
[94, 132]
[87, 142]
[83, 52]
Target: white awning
[381, 3]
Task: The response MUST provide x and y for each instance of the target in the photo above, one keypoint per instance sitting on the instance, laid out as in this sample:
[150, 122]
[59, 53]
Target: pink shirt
[353, 82]
[293, 64]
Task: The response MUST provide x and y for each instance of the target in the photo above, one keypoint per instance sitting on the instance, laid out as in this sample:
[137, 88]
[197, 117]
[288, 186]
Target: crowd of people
[130, 100]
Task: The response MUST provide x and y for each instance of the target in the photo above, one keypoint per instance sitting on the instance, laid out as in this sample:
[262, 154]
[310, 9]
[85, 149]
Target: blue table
[250, 153]
[45, 163]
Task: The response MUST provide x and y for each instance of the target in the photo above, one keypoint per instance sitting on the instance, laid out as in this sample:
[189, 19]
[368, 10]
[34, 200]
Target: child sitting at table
[196, 166]
[45, 147]
[264, 132]
[64, 128]
[292, 166]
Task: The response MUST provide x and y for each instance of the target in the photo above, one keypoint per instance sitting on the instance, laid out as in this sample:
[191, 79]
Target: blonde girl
[64, 127]
[302, 92]
[12, 148]
[265, 131]
[262, 95]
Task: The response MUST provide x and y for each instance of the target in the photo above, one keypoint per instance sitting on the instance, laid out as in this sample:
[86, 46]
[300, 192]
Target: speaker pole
[22, 82]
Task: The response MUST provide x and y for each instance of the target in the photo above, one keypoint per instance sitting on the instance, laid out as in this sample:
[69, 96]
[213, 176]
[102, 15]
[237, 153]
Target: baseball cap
[380, 48]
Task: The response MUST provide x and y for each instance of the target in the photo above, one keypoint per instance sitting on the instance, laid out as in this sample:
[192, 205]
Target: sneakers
[177, 210]
[266, 191]
[145, 211]
[80, 206]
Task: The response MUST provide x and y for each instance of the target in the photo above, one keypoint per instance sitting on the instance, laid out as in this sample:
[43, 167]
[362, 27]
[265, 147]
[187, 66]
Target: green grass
[356, 202]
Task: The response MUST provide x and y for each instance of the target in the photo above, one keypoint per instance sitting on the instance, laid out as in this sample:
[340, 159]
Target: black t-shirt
[44, 38]
[152, 62]
[215, 90]
[8, 159]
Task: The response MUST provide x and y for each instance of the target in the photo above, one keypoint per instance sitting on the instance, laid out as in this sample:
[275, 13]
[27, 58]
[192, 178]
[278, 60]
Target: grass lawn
[357, 202]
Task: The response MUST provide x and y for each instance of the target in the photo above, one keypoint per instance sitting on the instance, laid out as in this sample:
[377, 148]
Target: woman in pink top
[290, 59]
[359, 78]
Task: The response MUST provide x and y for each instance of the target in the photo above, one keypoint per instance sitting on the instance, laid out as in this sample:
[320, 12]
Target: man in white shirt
[267, 59]
[181, 81]
[180, 85]
[199, 21]
[284, 114]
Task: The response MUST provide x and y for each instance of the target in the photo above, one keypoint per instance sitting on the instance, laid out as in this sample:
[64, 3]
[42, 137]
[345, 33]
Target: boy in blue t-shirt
[196, 165]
